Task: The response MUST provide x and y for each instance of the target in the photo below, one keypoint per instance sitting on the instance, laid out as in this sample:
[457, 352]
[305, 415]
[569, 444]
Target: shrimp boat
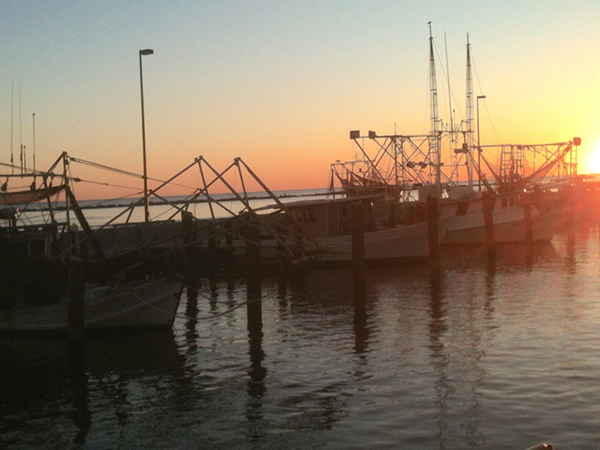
[328, 222]
[520, 204]
[445, 163]
[512, 217]
[36, 248]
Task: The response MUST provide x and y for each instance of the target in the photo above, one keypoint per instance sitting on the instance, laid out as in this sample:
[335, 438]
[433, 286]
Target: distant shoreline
[203, 199]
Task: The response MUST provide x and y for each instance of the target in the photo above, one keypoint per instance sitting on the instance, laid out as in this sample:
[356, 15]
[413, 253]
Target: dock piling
[488, 219]
[358, 250]
[76, 299]
[253, 282]
[187, 230]
[433, 228]
[528, 223]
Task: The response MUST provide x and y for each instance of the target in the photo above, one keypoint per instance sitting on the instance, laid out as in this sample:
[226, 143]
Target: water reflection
[439, 358]
[256, 386]
[79, 385]
[570, 261]
[318, 318]
[361, 330]
[425, 357]
[39, 372]
[511, 257]
[191, 312]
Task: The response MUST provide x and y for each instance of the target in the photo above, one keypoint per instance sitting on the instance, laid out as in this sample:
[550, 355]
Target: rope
[100, 183]
[484, 104]
[122, 172]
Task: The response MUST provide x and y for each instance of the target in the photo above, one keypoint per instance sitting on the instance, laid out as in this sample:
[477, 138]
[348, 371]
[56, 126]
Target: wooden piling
[280, 236]
[528, 223]
[358, 277]
[255, 333]
[76, 299]
[251, 236]
[488, 218]
[433, 232]
[228, 227]
[212, 235]
[187, 231]
[358, 250]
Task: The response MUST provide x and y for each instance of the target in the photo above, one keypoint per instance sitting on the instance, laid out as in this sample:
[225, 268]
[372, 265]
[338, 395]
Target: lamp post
[147, 51]
[478, 145]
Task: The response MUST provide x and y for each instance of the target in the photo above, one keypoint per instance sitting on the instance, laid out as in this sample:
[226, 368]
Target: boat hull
[509, 227]
[402, 242]
[145, 304]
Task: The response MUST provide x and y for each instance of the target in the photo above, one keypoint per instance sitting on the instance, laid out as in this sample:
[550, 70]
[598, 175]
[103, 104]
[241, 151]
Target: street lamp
[147, 51]
[478, 145]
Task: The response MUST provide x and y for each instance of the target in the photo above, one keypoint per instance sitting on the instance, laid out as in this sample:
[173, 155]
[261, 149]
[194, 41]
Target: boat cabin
[332, 217]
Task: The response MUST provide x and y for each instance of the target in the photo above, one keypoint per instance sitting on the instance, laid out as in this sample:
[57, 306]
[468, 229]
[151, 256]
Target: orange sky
[282, 84]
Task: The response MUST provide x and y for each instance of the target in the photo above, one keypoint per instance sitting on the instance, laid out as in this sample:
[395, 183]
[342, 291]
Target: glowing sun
[591, 164]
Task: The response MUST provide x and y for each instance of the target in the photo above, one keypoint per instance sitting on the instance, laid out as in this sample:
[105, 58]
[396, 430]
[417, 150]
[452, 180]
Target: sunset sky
[281, 83]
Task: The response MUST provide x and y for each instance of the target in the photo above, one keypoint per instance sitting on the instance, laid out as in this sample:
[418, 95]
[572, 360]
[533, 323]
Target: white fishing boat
[328, 222]
[132, 305]
[450, 164]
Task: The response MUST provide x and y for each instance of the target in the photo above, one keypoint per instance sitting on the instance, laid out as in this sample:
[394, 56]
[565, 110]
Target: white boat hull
[509, 227]
[145, 304]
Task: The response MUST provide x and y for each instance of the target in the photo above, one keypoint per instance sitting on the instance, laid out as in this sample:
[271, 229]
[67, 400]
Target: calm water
[491, 354]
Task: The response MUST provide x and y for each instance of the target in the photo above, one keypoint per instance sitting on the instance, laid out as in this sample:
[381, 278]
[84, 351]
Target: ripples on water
[492, 353]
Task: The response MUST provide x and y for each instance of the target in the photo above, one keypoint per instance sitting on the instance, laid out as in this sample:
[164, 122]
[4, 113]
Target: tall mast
[469, 132]
[434, 140]
[452, 130]
[433, 104]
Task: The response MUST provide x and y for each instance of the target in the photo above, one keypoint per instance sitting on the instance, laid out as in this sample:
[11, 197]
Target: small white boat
[132, 305]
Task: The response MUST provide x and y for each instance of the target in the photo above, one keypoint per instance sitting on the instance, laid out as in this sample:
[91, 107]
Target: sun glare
[591, 163]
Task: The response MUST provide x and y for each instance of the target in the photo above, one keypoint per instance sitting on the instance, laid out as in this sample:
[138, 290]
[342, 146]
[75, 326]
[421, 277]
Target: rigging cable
[120, 171]
[484, 103]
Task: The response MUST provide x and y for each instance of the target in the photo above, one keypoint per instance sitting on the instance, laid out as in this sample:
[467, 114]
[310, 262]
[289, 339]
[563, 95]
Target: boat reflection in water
[446, 357]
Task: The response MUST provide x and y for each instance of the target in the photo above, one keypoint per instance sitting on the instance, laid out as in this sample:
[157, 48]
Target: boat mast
[434, 140]
[452, 130]
[469, 132]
